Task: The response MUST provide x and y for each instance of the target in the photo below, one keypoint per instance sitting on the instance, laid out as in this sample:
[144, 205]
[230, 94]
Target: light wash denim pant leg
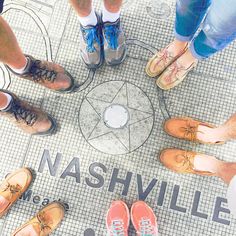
[189, 15]
[219, 29]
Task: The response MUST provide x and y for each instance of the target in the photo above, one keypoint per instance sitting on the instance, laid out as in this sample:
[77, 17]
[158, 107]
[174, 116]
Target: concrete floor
[88, 164]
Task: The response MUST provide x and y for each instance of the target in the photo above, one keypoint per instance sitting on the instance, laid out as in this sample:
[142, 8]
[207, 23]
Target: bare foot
[3, 204]
[187, 59]
[28, 231]
[176, 47]
[211, 135]
[225, 132]
[207, 163]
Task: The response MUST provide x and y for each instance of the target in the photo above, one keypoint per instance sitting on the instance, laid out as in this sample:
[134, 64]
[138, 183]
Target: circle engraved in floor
[158, 9]
[116, 117]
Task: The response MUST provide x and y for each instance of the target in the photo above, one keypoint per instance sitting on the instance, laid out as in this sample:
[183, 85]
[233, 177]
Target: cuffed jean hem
[182, 38]
[194, 52]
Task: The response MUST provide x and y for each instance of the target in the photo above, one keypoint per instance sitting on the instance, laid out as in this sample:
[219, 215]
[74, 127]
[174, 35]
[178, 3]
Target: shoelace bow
[91, 36]
[13, 189]
[40, 72]
[174, 70]
[111, 34]
[163, 57]
[187, 160]
[20, 113]
[117, 228]
[190, 131]
[146, 228]
[42, 221]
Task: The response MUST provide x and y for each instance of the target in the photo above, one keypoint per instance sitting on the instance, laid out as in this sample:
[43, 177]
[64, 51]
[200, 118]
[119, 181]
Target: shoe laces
[190, 131]
[22, 114]
[187, 156]
[91, 36]
[117, 228]
[13, 189]
[146, 228]
[111, 34]
[39, 72]
[43, 222]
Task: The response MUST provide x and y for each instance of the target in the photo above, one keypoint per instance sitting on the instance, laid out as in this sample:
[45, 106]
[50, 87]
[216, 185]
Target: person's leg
[85, 12]
[45, 73]
[10, 52]
[113, 34]
[189, 15]
[219, 29]
[90, 37]
[111, 10]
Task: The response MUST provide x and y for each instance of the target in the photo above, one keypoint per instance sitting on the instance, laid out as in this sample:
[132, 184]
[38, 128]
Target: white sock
[91, 19]
[9, 98]
[109, 16]
[23, 69]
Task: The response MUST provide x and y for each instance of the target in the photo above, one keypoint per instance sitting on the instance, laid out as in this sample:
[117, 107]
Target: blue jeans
[1, 5]
[218, 28]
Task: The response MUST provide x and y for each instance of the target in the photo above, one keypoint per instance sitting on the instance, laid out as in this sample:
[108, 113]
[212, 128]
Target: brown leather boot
[30, 119]
[13, 187]
[48, 74]
[45, 222]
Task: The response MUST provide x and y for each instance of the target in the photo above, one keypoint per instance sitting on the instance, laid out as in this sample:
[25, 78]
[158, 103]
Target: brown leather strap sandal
[46, 221]
[14, 186]
[186, 128]
[181, 161]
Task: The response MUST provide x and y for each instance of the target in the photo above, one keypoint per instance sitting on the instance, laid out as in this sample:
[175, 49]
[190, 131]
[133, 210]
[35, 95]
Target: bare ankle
[226, 171]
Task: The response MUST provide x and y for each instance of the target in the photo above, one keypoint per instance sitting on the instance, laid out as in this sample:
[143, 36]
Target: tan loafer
[174, 75]
[160, 61]
[14, 186]
[181, 161]
[46, 221]
[186, 128]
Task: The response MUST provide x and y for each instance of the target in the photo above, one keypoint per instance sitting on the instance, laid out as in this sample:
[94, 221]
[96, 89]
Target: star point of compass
[122, 135]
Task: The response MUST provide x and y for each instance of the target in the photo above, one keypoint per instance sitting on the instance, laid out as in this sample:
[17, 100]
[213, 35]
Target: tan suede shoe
[160, 61]
[14, 186]
[30, 119]
[181, 161]
[48, 74]
[186, 128]
[46, 221]
[174, 75]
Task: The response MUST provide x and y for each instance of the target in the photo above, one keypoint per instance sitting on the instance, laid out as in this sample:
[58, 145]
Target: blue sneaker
[114, 43]
[91, 45]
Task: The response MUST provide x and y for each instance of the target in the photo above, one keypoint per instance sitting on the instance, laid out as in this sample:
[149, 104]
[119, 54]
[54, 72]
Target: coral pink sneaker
[144, 219]
[117, 219]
